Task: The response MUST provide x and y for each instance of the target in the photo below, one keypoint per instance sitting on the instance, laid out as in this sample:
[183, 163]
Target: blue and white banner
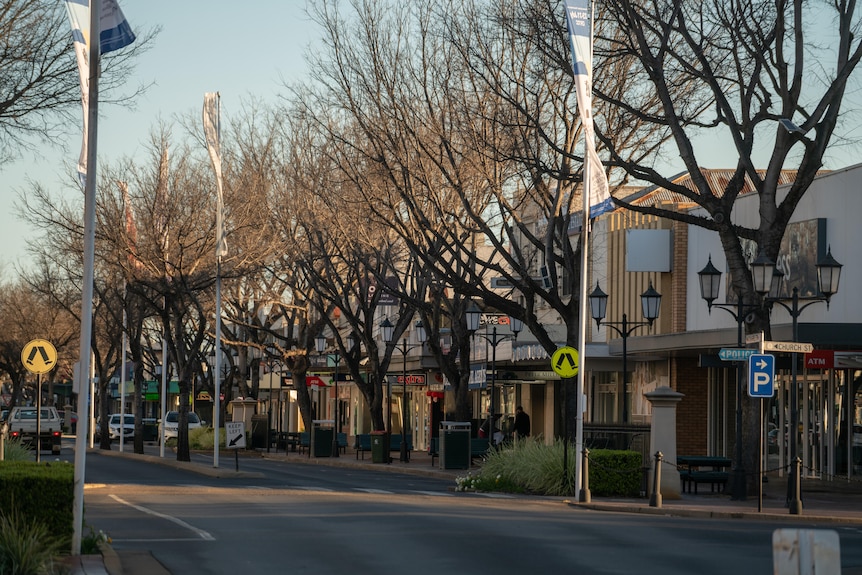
[115, 33]
[579, 20]
[212, 135]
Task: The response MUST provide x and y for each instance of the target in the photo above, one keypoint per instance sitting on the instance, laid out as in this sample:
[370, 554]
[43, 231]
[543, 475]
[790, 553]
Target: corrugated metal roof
[718, 179]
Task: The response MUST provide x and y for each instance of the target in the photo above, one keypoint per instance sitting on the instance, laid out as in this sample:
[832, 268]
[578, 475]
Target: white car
[171, 423]
[115, 427]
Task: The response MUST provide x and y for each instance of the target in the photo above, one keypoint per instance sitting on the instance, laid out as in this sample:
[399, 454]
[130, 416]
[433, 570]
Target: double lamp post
[320, 346]
[767, 280]
[473, 316]
[404, 347]
[650, 304]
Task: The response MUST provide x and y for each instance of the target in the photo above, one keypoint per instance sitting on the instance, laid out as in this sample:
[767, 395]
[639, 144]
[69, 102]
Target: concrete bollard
[584, 495]
[655, 498]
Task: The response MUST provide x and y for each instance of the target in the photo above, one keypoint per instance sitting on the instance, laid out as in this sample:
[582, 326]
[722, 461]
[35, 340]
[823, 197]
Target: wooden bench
[305, 442]
[288, 441]
[362, 443]
[695, 469]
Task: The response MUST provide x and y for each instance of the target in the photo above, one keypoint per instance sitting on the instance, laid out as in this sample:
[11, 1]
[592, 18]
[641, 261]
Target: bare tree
[40, 91]
[750, 68]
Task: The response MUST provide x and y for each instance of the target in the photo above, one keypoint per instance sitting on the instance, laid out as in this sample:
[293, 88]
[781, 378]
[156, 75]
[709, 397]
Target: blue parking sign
[761, 375]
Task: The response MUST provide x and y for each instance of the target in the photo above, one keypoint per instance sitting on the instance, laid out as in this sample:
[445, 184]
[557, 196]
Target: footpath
[825, 502]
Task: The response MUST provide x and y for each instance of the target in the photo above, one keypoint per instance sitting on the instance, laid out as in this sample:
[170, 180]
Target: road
[318, 519]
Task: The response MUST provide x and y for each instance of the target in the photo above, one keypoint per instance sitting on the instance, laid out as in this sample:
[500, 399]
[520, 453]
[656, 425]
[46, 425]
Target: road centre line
[200, 532]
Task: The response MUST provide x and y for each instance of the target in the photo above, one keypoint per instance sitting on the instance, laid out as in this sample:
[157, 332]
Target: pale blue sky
[234, 48]
[239, 50]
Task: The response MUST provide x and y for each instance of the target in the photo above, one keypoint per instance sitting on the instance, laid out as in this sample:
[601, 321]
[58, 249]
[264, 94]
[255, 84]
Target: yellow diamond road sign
[39, 356]
[565, 362]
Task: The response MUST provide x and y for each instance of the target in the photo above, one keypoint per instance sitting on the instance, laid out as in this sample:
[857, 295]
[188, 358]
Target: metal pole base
[738, 488]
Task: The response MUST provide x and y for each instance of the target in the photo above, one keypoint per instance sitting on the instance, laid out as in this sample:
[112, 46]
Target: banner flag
[579, 21]
[212, 134]
[162, 207]
[131, 227]
[115, 34]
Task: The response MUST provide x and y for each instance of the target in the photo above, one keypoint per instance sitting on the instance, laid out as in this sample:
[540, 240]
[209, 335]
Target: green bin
[454, 445]
[380, 448]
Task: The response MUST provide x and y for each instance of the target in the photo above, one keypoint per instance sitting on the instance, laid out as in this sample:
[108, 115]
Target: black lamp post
[473, 315]
[828, 276]
[650, 302]
[320, 346]
[710, 285]
[271, 361]
[404, 347]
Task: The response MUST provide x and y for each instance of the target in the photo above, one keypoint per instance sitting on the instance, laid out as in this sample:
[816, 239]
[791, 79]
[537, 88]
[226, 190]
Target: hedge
[42, 492]
[615, 473]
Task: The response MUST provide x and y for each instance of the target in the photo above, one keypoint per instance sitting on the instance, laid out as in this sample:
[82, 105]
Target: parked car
[171, 423]
[115, 428]
[23, 425]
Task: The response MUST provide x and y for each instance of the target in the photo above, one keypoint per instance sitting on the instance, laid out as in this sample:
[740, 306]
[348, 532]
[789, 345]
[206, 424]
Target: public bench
[304, 442]
[696, 469]
[362, 443]
[288, 441]
[479, 446]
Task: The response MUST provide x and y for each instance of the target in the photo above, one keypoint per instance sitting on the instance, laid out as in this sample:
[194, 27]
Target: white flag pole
[89, 264]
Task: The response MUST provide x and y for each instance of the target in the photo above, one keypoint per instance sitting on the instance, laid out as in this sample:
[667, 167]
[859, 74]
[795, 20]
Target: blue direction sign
[761, 375]
[736, 353]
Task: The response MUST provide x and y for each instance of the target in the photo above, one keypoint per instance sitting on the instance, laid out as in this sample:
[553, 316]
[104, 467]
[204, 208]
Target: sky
[214, 46]
[240, 50]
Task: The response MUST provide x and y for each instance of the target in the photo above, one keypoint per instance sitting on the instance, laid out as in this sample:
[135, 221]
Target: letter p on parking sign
[761, 375]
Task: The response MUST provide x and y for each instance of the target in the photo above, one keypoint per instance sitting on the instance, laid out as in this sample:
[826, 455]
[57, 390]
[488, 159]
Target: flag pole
[89, 264]
[211, 117]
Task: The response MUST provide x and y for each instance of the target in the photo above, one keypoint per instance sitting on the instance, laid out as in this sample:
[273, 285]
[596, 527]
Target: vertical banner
[212, 133]
[115, 34]
[579, 20]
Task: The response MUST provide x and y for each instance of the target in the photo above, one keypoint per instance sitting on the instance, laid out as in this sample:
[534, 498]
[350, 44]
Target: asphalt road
[318, 519]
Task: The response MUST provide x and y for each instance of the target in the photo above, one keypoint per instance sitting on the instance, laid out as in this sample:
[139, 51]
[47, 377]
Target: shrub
[533, 467]
[15, 450]
[615, 473]
[202, 438]
[41, 492]
[26, 547]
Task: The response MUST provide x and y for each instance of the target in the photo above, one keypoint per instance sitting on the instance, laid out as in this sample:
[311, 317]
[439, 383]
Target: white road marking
[375, 491]
[200, 532]
[314, 488]
[496, 495]
[434, 493]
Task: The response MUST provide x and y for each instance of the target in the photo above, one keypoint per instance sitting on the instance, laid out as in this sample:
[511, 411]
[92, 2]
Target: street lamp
[473, 315]
[710, 284]
[320, 346]
[404, 347]
[828, 276]
[650, 301]
[271, 361]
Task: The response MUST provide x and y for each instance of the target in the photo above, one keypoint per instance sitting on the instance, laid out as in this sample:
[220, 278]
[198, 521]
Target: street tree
[464, 139]
[766, 80]
[40, 93]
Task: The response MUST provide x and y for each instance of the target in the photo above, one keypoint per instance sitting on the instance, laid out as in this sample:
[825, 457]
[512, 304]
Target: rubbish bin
[379, 447]
[454, 445]
[321, 437]
[259, 426]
